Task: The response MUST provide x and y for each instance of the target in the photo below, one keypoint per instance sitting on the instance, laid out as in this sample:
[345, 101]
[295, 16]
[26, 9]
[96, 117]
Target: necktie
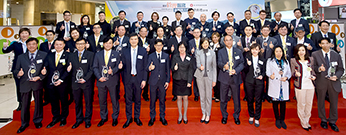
[247, 42]
[32, 57]
[79, 56]
[214, 23]
[57, 59]
[284, 45]
[49, 45]
[197, 44]
[121, 22]
[97, 40]
[133, 68]
[120, 41]
[158, 57]
[325, 35]
[106, 58]
[297, 23]
[327, 60]
[230, 59]
[67, 28]
[262, 22]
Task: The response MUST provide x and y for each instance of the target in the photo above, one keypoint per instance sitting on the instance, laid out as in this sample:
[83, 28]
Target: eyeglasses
[80, 43]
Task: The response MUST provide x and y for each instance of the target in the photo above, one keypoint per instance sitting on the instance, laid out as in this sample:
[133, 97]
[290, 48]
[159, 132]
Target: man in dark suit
[299, 22]
[106, 67]
[143, 41]
[56, 83]
[285, 41]
[158, 65]
[160, 35]
[121, 38]
[63, 28]
[139, 23]
[247, 39]
[302, 39]
[106, 27]
[94, 43]
[230, 63]
[230, 18]
[122, 21]
[194, 45]
[324, 27]
[327, 82]
[48, 45]
[134, 60]
[274, 25]
[216, 25]
[173, 42]
[29, 70]
[205, 26]
[178, 22]
[267, 43]
[81, 61]
[248, 21]
[262, 21]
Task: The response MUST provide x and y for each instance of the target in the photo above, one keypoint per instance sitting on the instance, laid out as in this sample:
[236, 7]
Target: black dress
[183, 75]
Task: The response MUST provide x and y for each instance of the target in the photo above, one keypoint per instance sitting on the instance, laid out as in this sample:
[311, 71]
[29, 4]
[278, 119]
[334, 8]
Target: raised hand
[87, 45]
[226, 66]
[69, 68]
[193, 50]
[176, 66]
[201, 67]
[44, 71]
[248, 62]
[309, 47]
[271, 45]
[172, 48]
[297, 73]
[272, 76]
[5, 44]
[110, 70]
[152, 66]
[120, 66]
[62, 27]
[322, 68]
[239, 44]
[20, 73]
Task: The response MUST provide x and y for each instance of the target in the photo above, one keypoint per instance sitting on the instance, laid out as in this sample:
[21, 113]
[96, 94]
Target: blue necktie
[325, 36]
[133, 68]
[327, 60]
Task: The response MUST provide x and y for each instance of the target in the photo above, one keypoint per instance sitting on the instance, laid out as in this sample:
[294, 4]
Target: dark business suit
[167, 30]
[181, 23]
[304, 24]
[324, 85]
[85, 31]
[70, 45]
[315, 37]
[125, 42]
[276, 32]
[158, 77]
[235, 27]
[184, 73]
[132, 82]
[206, 32]
[259, 24]
[61, 33]
[93, 47]
[290, 44]
[154, 25]
[243, 23]
[142, 24]
[110, 84]
[125, 23]
[174, 41]
[230, 84]
[58, 94]
[267, 50]
[27, 88]
[218, 27]
[82, 89]
[307, 41]
[165, 47]
[146, 44]
[45, 48]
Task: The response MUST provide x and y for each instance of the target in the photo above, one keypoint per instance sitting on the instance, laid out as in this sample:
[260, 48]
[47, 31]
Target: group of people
[199, 55]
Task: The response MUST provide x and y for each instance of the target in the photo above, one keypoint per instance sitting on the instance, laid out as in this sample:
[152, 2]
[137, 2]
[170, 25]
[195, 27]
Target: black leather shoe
[185, 121]
[102, 122]
[283, 124]
[174, 98]
[22, 128]
[310, 128]
[278, 124]
[244, 99]
[115, 122]
[75, 125]
[151, 122]
[62, 122]
[87, 124]
[19, 106]
[324, 125]
[202, 121]
[334, 127]
[237, 121]
[307, 129]
[179, 121]
[52, 123]
[224, 120]
[146, 98]
[127, 123]
[38, 125]
[163, 121]
[138, 122]
[196, 98]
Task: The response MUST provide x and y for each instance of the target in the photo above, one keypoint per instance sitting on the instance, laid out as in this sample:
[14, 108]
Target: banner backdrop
[168, 8]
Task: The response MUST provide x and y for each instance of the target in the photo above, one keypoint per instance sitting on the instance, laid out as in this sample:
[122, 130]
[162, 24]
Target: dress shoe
[19, 106]
[52, 123]
[62, 122]
[244, 99]
[206, 122]
[224, 120]
[185, 121]
[115, 122]
[127, 123]
[217, 100]
[38, 125]
[179, 121]
[251, 121]
[22, 128]
[310, 127]
[334, 127]
[87, 124]
[283, 124]
[174, 98]
[75, 125]
[324, 125]
[45, 103]
[163, 121]
[257, 124]
[263, 100]
[237, 121]
[196, 98]
[102, 122]
[213, 98]
[138, 122]
[307, 129]
[202, 121]
[278, 124]
[151, 122]
[146, 98]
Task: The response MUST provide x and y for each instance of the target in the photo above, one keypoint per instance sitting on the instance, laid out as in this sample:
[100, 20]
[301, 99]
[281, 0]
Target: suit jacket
[182, 24]
[207, 28]
[290, 44]
[61, 33]
[275, 32]
[315, 37]
[113, 62]
[87, 28]
[267, 50]
[133, 28]
[93, 48]
[192, 44]
[302, 23]
[23, 62]
[106, 28]
[210, 67]
[174, 41]
[238, 65]
[274, 84]
[321, 80]
[49, 63]
[243, 41]
[307, 41]
[249, 70]
[165, 47]
[219, 27]
[161, 73]
[127, 25]
[235, 27]
[85, 64]
[17, 48]
[167, 30]
[259, 24]
[146, 42]
[243, 23]
[44, 47]
[297, 66]
[155, 25]
[70, 45]
[185, 68]
[141, 62]
[125, 41]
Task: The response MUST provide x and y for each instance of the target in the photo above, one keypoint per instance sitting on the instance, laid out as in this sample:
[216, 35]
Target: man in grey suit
[329, 68]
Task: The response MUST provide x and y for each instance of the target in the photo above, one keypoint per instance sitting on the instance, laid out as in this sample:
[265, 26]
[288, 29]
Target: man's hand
[142, 84]
[20, 73]
[44, 71]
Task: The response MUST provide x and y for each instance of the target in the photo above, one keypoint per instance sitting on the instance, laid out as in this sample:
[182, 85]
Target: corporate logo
[325, 3]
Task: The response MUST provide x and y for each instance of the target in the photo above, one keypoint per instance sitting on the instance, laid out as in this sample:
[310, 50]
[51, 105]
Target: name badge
[166, 30]
[124, 44]
[84, 61]
[300, 25]
[334, 63]
[188, 58]
[219, 26]
[114, 59]
[126, 26]
[193, 23]
[306, 44]
[53, 50]
[72, 26]
[164, 48]
[208, 54]
[140, 57]
[101, 43]
[142, 25]
[288, 44]
[39, 61]
[206, 29]
[237, 57]
[62, 61]
[260, 62]
[87, 28]
[163, 60]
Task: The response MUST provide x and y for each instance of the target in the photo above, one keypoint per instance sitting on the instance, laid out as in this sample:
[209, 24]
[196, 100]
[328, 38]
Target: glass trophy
[85, 35]
[331, 71]
[55, 77]
[257, 72]
[332, 46]
[101, 33]
[192, 27]
[309, 69]
[230, 67]
[248, 45]
[79, 74]
[155, 35]
[105, 72]
[68, 35]
[164, 36]
[32, 71]
[204, 34]
[145, 45]
[137, 30]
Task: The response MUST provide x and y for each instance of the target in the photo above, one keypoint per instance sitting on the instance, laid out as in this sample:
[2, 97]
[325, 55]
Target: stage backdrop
[168, 8]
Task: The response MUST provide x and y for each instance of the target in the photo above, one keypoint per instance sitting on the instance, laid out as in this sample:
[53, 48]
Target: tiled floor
[8, 99]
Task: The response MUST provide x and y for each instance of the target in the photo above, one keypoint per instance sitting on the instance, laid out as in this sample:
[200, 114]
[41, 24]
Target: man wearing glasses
[63, 28]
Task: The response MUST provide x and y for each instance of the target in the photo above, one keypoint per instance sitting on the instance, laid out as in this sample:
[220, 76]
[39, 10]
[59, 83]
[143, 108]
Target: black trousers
[224, 98]
[254, 94]
[78, 98]
[25, 112]
[195, 87]
[103, 91]
[133, 94]
[146, 89]
[19, 95]
[157, 91]
[59, 102]
[281, 115]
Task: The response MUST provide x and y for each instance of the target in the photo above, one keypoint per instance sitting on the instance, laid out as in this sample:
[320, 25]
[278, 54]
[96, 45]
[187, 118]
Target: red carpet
[267, 122]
